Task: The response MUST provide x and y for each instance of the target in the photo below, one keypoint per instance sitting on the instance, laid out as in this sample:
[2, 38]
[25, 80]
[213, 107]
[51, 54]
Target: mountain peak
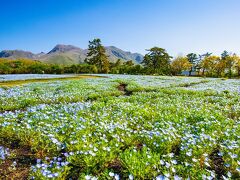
[63, 48]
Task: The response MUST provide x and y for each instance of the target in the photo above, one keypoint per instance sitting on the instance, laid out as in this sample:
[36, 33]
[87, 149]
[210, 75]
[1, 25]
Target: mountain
[116, 53]
[63, 48]
[68, 54]
[64, 54]
[16, 54]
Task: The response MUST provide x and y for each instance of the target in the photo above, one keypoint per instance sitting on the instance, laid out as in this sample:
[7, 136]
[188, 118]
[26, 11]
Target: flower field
[13, 77]
[121, 127]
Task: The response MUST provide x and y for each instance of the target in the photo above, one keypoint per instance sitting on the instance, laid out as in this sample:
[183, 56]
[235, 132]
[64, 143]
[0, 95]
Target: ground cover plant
[121, 127]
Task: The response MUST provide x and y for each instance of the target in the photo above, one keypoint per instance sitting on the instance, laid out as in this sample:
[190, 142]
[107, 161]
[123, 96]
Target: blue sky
[179, 26]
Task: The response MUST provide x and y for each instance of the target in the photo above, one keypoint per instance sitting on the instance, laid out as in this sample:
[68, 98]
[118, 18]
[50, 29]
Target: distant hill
[116, 53]
[13, 54]
[68, 54]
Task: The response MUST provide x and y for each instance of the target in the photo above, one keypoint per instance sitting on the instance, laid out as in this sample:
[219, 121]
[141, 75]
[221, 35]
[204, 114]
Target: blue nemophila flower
[50, 168]
[234, 156]
[227, 165]
[176, 177]
[174, 161]
[116, 177]
[161, 177]
[4, 153]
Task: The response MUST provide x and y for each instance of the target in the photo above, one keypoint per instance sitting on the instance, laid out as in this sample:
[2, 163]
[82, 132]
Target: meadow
[121, 127]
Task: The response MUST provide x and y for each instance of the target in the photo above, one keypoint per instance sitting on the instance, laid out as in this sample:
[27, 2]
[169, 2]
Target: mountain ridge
[69, 54]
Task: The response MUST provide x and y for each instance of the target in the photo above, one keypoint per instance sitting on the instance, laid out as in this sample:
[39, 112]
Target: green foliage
[180, 64]
[26, 66]
[97, 56]
[157, 61]
[192, 58]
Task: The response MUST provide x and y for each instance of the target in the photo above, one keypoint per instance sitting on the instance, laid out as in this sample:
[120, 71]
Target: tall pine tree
[97, 56]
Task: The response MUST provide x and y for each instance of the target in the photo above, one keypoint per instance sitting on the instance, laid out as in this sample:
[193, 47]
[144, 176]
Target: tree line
[157, 61]
[27, 66]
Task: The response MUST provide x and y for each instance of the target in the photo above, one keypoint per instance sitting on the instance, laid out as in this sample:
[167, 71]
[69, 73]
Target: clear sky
[179, 26]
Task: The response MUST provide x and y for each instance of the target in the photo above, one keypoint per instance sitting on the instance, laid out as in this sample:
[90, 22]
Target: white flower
[87, 177]
[111, 174]
[225, 178]
[189, 153]
[130, 177]
[167, 175]
[171, 155]
[194, 160]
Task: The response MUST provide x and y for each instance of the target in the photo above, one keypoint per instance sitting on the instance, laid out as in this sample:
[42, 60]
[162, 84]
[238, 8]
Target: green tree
[180, 64]
[4, 69]
[208, 64]
[192, 58]
[97, 56]
[237, 64]
[225, 54]
[118, 63]
[219, 67]
[230, 62]
[201, 58]
[129, 63]
[157, 61]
